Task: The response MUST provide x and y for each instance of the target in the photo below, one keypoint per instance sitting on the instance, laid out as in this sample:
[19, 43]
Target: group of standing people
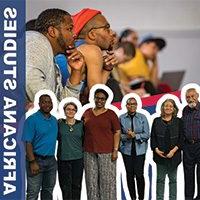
[95, 138]
[93, 142]
[170, 135]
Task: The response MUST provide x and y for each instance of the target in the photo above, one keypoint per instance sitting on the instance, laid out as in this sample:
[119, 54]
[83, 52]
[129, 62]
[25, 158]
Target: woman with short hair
[70, 153]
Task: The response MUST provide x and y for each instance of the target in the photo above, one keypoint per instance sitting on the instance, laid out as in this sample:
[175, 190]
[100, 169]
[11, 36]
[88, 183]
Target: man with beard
[39, 136]
[53, 35]
[191, 148]
[97, 39]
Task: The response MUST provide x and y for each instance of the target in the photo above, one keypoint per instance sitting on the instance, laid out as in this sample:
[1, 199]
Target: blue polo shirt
[41, 132]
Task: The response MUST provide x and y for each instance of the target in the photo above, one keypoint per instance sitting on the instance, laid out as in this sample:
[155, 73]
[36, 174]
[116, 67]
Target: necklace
[70, 128]
[70, 125]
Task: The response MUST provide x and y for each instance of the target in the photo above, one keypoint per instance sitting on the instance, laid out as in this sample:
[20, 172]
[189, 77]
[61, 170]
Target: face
[45, 104]
[104, 36]
[192, 98]
[100, 100]
[133, 38]
[70, 111]
[131, 106]
[149, 50]
[121, 56]
[168, 108]
[65, 35]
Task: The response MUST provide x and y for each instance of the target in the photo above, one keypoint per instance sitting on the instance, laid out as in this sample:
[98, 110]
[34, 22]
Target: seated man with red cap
[93, 31]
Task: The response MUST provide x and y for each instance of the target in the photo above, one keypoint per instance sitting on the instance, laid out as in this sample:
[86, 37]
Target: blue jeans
[44, 181]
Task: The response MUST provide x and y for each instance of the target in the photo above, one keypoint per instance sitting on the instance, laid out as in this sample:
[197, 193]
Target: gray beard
[192, 105]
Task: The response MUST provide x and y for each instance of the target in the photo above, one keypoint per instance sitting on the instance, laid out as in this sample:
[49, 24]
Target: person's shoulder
[89, 49]
[33, 117]
[141, 115]
[79, 122]
[123, 115]
[35, 40]
[34, 36]
[112, 112]
[61, 120]
[156, 119]
[54, 118]
[89, 110]
[185, 109]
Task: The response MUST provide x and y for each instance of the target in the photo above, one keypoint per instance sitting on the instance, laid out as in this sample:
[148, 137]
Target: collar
[135, 115]
[42, 115]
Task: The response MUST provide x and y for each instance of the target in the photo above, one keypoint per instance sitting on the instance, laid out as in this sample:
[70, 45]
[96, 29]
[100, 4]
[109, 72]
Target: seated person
[124, 52]
[144, 65]
[92, 27]
[129, 35]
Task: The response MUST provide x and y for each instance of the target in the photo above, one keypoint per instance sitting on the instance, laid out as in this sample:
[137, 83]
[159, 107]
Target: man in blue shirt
[134, 137]
[39, 135]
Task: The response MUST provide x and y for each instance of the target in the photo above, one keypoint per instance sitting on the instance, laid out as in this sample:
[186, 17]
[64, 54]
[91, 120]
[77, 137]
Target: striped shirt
[191, 120]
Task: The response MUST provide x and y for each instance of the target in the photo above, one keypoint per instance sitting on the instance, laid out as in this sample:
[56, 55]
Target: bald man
[191, 149]
[93, 30]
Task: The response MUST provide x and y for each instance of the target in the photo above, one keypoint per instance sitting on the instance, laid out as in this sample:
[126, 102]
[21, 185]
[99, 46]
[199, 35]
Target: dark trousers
[70, 175]
[162, 171]
[191, 158]
[134, 166]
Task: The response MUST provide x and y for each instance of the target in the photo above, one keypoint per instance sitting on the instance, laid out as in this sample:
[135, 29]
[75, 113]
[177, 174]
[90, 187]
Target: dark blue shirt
[191, 120]
[42, 133]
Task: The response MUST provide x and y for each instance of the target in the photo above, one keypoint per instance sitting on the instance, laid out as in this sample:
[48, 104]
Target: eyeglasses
[100, 98]
[106, 27]
[70, 109]
[131, 104]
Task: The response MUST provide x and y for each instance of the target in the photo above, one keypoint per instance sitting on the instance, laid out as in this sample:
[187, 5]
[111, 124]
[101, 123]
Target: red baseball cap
[81, 18]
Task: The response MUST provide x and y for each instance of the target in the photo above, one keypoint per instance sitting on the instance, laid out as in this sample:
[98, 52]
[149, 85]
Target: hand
[75, 59]
[130, 134]
[154, 60]
[170, 154]
[109, 61]
[160, 153]
[114, 155]
[35, 169]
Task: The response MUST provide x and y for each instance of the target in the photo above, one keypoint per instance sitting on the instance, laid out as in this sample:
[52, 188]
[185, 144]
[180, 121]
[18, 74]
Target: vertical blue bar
[12, 99]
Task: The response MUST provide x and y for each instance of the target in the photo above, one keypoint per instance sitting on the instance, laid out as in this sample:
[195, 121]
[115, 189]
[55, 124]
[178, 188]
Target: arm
[41, 72]
[124, 136]
[34, 167]
[76, 63]
[116, 145]
[179, 142]
[109, 62]
[27, 137]
[154, 144]
[154, 72]
[153, 140]
[94, 64]
[144, 136]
